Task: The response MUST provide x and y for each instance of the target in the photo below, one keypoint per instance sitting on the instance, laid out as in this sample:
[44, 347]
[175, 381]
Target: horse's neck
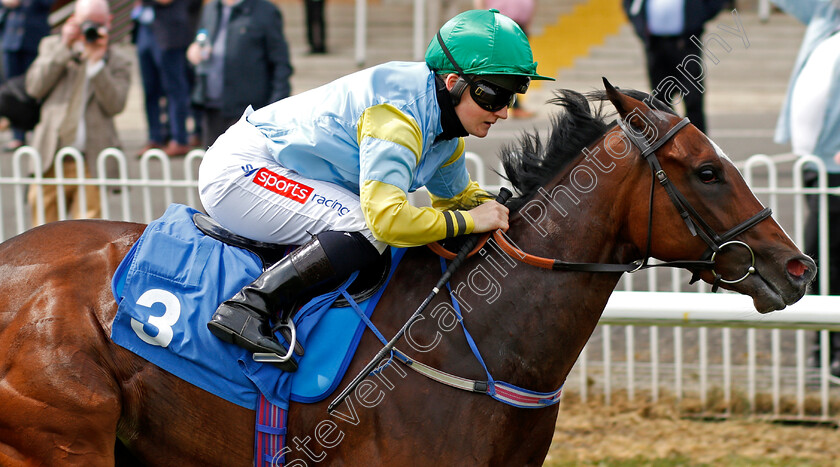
[554, 313]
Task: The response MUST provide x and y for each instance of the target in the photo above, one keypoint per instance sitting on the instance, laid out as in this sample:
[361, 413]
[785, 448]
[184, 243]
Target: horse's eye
[707, 175]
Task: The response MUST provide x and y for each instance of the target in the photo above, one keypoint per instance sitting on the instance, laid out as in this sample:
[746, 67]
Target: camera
[90, 30]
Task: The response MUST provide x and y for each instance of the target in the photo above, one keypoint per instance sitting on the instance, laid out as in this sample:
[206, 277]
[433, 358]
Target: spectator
[810, 121]
[84, 83]
[666, 27]
[24, 24]
[521, 11]
[195, 110]
[316, 27]
[164, 31]
[247, 64]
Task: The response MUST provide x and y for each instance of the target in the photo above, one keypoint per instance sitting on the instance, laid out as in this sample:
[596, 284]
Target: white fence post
[788, 377]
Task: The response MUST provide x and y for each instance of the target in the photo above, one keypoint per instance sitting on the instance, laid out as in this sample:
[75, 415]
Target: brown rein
[695, 223]
[504, 244]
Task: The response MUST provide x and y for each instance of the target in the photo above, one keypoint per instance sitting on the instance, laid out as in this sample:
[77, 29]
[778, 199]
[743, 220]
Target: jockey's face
[475, 120]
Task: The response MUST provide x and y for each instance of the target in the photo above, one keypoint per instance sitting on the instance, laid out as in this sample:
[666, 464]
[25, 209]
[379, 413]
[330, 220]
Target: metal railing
[728, 358]
[130, 189]
[772, 360]
[762, 370]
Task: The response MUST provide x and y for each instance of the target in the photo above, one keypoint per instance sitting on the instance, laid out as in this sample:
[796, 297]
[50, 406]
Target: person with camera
[84, 84]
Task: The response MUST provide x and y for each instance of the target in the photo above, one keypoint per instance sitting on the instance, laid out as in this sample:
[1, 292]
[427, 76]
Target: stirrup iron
[270, 357]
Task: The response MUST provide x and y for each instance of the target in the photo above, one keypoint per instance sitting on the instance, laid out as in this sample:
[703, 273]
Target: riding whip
[469, 244]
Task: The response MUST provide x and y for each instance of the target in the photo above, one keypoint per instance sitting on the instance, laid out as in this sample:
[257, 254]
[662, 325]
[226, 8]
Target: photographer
[84, 83]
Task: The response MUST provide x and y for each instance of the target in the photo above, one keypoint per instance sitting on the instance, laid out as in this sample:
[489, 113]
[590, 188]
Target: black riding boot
[244, 319]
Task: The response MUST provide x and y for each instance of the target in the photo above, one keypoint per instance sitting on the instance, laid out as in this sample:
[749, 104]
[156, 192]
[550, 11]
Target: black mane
[532, 164]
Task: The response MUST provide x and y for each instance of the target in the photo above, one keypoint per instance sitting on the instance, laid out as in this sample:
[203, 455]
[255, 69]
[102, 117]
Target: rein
[520, 397]
[693, 220]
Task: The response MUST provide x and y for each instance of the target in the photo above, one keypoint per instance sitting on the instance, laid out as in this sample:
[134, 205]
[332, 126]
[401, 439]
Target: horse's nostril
[796, 268]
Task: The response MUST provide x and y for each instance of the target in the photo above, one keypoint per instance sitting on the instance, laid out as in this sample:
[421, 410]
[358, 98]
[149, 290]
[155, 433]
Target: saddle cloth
[170, 284]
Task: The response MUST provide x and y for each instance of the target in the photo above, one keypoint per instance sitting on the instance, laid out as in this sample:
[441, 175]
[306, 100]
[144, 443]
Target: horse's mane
[530, 164]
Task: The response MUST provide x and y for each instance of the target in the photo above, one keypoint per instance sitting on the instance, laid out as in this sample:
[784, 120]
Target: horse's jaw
[773, 290]
[766, 297]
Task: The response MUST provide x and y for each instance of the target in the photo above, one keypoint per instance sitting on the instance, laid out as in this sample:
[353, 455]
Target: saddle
[369, 280]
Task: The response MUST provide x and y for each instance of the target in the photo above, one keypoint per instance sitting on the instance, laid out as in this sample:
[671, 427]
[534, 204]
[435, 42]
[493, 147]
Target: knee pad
[347, 251]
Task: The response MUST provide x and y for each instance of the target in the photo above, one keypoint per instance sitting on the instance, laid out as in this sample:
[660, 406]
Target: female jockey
[329, 169]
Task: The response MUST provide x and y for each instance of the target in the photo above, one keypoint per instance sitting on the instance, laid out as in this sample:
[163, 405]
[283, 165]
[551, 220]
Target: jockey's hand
[490, 216]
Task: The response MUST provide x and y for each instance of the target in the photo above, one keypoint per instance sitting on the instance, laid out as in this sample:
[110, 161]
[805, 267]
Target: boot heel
[221, 331]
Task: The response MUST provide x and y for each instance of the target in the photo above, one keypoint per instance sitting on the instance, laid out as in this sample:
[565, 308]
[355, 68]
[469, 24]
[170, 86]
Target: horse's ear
[633, 111]
[614, 96]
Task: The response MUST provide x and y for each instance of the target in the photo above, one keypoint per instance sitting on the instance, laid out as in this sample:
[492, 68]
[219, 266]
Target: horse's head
[702, 208]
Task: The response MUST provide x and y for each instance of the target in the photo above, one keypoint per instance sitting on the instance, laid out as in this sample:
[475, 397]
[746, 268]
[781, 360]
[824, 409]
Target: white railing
[783, 375]
[729, 358]
[130, 189]
[756, 356]
[723, 366]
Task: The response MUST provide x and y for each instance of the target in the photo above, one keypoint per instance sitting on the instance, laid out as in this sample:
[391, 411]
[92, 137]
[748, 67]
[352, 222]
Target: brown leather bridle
[693, 220]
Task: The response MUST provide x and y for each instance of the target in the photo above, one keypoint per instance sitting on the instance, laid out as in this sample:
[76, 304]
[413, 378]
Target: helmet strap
[458, 90]
[463, 79]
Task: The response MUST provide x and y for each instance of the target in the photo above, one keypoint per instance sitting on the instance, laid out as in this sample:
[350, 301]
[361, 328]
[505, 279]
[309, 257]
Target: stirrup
[271, 357]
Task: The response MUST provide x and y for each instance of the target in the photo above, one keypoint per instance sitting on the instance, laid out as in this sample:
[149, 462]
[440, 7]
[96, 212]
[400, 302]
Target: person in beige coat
[84, 83]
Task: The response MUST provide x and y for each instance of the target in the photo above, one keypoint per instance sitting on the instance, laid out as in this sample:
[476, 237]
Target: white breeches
[243, 188]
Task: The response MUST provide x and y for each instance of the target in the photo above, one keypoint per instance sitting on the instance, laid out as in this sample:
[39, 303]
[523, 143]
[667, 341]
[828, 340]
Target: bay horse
[69, 396]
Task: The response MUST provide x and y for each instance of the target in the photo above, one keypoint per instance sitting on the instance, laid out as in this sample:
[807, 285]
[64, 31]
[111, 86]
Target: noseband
[693, 220]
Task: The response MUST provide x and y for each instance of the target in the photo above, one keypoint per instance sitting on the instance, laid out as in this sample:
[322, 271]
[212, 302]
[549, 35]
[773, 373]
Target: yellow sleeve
[394, 221]
[472, 196]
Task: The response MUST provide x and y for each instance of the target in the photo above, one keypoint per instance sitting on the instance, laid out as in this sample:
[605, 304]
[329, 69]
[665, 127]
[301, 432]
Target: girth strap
[499, 390]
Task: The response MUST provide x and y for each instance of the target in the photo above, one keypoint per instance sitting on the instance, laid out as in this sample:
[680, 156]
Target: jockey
[329, 169]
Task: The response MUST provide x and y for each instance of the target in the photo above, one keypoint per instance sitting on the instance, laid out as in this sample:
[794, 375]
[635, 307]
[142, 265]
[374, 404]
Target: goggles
[489, 96]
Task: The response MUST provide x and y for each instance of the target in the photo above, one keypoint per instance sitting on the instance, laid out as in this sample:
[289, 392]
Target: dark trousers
[316, 29]
[667, 65]
[164, 74]
[16, 63]
[812, 249]
[213, 124]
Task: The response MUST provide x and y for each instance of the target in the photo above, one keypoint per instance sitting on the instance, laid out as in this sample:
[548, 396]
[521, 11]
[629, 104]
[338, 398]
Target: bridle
[520, 397]
[693, 220]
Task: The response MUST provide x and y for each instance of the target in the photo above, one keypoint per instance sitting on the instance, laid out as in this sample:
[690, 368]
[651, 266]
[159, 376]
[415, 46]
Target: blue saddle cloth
[170, 284]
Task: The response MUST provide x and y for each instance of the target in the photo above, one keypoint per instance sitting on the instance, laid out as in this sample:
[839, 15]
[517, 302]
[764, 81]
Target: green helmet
[482, 42]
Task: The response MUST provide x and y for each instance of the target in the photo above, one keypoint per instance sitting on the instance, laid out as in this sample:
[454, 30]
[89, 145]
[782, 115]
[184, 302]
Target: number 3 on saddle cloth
[172, 281]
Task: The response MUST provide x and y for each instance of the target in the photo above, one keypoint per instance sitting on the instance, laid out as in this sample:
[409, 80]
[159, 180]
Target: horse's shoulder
[77, 236]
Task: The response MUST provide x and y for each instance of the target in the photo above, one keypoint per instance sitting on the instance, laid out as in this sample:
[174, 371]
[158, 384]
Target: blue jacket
[26, 25]
[374, 132]
[822, 18]
[318, 133]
